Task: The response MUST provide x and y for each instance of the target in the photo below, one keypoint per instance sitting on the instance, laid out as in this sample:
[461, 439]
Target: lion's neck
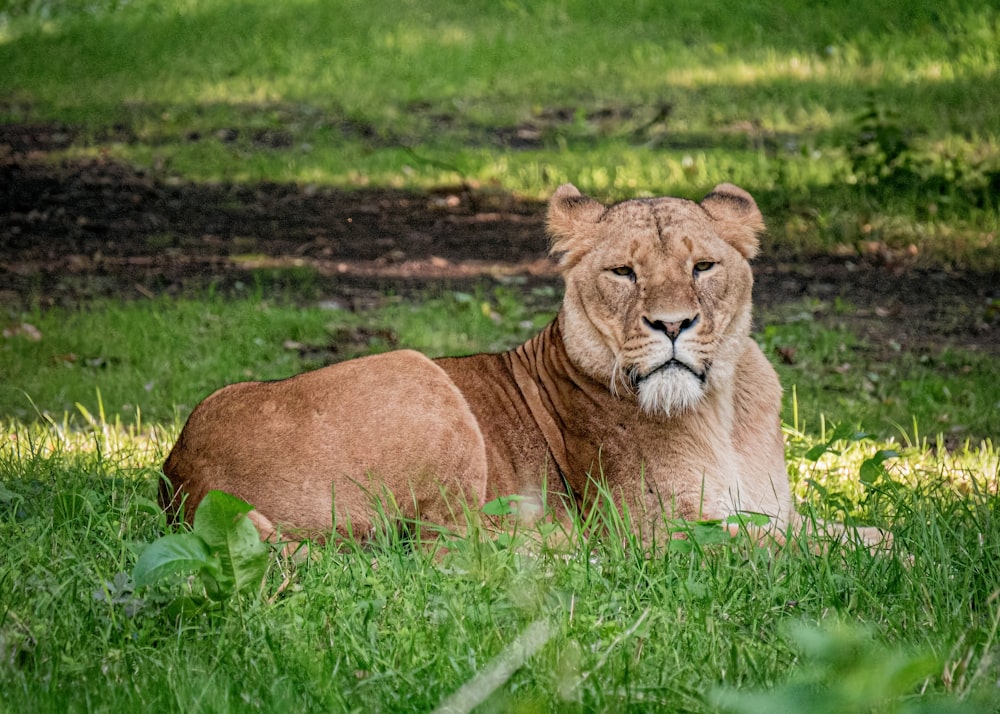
[545, 360]
[556, 392]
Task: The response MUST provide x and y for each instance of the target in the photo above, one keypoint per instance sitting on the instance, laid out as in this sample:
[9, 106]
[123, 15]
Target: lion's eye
[703, 265]
[624, 271]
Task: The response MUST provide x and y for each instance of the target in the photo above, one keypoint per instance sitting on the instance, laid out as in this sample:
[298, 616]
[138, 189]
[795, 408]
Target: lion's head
[657, 291]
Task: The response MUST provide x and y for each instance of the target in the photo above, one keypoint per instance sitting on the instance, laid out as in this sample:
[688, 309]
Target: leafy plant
[844, 670]
[885, 157]
[881, 151]
[224, 549]
[871, 469]
[841, 432]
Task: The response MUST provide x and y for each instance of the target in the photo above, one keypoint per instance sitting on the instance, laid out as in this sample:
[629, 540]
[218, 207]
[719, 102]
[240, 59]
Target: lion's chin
[669, 392]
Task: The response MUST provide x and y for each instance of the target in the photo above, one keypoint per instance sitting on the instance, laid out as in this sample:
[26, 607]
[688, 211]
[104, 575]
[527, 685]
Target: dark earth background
[73, 230]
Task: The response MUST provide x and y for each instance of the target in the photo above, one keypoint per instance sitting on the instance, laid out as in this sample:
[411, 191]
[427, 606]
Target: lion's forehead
[663, 217]
[654, 228]
[664, 211]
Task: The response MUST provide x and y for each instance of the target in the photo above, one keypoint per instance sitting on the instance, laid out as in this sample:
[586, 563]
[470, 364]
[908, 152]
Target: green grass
[836, 376]
[388, 627]
[150, 359]
[848, 122]
[157, 359]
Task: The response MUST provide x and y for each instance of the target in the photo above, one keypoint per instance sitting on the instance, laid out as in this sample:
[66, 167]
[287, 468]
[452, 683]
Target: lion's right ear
[571, 221]
[738, 218]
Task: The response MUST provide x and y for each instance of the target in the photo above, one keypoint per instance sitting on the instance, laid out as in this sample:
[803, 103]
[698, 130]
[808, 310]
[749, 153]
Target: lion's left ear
[738, 217]
[571, 222]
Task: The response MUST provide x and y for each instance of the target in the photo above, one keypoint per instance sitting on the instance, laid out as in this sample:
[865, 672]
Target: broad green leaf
[222, 522]
[871, 469]
[245, 557]
[845, 432]
[818, 450]
[906, 672]
[186, 606]
[218, 586]
[680, 545]
[174, 553]
[216, 515]
[710, 533]
[819, 488]
[145, 505]
[884, 454]
[500, 506]
[751, 519]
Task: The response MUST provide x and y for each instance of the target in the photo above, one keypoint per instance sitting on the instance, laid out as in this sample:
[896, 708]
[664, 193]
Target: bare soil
[74, 230]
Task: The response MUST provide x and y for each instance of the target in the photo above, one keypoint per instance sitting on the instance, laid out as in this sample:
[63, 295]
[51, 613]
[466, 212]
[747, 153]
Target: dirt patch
[74, 230]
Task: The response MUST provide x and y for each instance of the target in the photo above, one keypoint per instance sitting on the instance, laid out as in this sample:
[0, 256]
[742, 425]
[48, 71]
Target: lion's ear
[570, 222]
[738, 217]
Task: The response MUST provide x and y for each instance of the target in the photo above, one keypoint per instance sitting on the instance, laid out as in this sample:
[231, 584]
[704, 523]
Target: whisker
[622, 378]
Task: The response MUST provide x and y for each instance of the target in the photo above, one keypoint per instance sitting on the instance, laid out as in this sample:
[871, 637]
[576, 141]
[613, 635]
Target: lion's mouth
[672, 363]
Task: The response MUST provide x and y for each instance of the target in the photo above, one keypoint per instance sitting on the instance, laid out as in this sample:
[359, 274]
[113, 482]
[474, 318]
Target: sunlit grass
[972, 467]
[137, 448]
[132, 445]
[501, 64]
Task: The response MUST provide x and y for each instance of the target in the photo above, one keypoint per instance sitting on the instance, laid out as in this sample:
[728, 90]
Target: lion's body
[647, 382]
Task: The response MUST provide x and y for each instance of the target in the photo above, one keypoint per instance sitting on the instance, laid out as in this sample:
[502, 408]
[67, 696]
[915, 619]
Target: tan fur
[647, 382]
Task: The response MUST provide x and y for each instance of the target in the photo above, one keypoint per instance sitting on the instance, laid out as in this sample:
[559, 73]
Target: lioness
[647, 381]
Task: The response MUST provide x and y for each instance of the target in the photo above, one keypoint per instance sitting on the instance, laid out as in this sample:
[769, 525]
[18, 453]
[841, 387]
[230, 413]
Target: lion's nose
[671, 328]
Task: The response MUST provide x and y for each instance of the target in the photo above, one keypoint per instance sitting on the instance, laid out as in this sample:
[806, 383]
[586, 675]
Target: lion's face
[657, 291]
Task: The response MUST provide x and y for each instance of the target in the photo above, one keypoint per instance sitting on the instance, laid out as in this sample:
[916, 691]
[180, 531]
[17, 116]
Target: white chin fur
[669, 392]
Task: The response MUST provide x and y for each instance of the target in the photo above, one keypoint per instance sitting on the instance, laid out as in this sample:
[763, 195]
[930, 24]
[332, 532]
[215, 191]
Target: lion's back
[395, 417]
